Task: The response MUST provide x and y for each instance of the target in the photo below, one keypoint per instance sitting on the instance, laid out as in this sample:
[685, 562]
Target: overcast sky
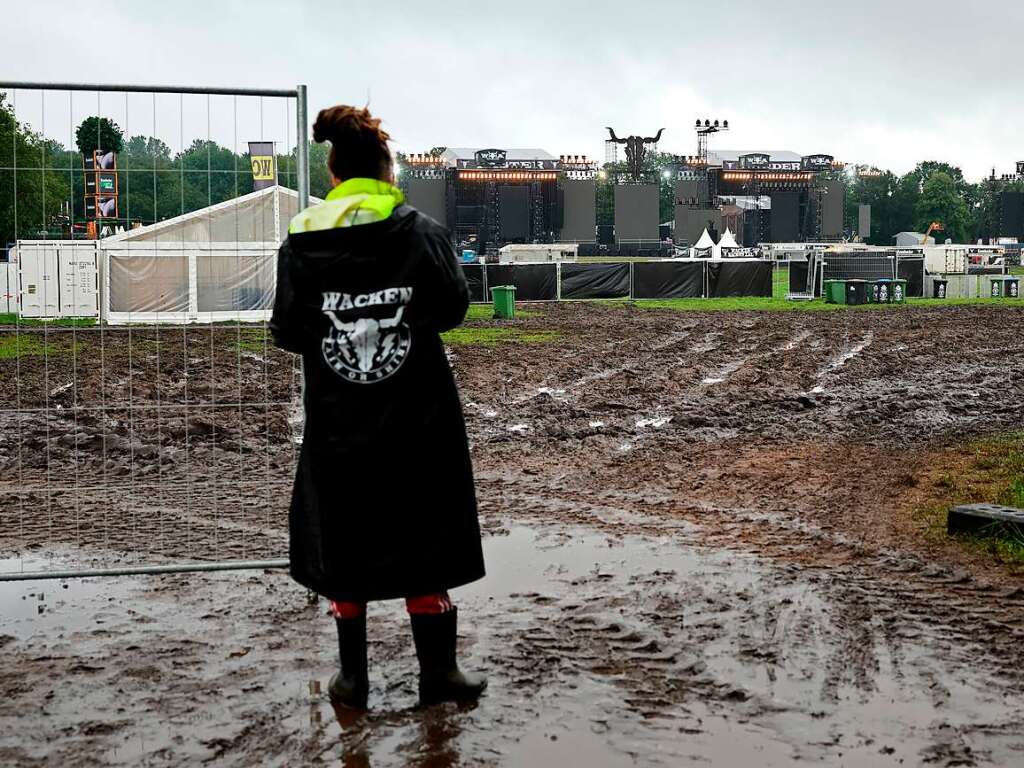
[888, 83]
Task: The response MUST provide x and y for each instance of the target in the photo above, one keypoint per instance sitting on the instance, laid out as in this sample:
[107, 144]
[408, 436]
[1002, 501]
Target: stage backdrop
[636, 212]
[691, 222]
[580, 211]
[785, 217]
[832, 204]
[427, 196]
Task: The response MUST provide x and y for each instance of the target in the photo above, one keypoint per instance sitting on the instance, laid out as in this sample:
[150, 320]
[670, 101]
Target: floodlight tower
[705, 129]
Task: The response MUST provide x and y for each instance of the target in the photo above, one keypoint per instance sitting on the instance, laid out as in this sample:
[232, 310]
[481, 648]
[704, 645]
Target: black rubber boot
[440, 677]
[351, 686]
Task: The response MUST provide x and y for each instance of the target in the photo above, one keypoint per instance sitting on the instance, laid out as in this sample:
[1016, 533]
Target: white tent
[728, 240]
[215, 264]
[727, 243]
[704, 247]
[257, 217]
[704, 242]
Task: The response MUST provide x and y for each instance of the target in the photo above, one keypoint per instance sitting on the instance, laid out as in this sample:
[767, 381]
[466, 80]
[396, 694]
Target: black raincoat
[383, 504]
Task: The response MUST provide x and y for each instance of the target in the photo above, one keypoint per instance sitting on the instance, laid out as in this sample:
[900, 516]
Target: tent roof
[718, 156]
[235, 219]
[705, 241]
[728, 241]
[454, 154]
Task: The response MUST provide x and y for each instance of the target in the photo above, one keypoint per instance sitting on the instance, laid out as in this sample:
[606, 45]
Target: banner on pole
[264, 167]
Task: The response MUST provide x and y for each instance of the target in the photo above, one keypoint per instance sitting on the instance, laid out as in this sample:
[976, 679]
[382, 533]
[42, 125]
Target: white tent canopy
[728, 241]
[704, 242]
[210, 265]
[257, 217]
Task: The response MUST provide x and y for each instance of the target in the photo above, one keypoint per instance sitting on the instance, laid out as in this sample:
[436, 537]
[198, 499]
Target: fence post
[302, 146]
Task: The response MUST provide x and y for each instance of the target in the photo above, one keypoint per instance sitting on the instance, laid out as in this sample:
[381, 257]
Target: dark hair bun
[344, 124]
[359, 146]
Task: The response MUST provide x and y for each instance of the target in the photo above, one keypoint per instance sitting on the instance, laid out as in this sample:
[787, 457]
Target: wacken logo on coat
[362, 345]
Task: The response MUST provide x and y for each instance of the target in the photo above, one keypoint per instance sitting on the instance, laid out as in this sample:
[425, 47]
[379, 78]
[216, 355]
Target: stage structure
[488, 198]
[763, 196]
[636, 192]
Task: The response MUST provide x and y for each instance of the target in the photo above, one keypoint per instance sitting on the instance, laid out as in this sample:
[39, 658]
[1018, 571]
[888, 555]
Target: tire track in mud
[876, 624]
[720, 583]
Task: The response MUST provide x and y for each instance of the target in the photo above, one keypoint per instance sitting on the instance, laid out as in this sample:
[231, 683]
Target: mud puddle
[607, 648]
[49, 607]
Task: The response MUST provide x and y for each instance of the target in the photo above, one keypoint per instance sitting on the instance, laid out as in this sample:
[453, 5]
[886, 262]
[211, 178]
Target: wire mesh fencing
[148, 421]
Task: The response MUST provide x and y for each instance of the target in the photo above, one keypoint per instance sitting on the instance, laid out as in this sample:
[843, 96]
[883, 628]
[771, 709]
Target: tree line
[42, 185]
[42, 182]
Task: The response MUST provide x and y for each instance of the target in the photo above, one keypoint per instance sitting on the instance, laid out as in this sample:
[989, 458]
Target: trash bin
[504, 298]
[1011, 288]
[834, 291]
[881, 291]
[856, 292]
[939, 288]
[995, 287]
[898, 292]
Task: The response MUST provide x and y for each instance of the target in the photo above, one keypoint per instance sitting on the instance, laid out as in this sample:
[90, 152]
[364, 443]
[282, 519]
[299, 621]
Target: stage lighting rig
[705, 129]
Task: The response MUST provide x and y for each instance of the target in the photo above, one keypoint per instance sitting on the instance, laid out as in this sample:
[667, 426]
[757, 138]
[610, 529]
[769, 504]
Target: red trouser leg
[435, 603]
[345, 610]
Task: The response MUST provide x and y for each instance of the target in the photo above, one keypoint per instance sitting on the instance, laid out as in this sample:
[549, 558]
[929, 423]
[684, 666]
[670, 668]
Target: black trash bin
[1011, 288]
[856, 292]
[939, 288]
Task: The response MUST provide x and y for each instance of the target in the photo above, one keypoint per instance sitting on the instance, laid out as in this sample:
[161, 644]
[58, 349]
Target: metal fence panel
[169, 442]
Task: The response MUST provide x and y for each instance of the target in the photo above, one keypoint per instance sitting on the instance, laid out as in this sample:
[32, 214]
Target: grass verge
[987, 470]
[489, 337]
[11, 318]
[764, 304]
[13, 345]
[257, 340]
[486, 312]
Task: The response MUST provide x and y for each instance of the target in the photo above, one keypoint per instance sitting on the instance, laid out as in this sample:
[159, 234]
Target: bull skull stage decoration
[636, 150]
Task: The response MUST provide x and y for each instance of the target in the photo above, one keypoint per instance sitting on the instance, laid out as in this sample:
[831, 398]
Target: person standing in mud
[383, 504]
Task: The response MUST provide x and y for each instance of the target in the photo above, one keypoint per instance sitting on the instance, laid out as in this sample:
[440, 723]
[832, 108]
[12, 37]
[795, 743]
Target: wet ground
[697, 528]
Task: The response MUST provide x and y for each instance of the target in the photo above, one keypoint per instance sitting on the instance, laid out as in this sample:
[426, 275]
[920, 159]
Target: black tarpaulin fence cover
[668, 280]
[912, 270]
[533, 282]
[595, 281]
[741, 277]
[475, 280]
[799, 267]
[684, 279]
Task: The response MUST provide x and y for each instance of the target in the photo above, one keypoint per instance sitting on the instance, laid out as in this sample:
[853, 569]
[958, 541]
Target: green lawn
[486, 312]
[489, 337]
[777, 304]
[14, 345]
[988, 470]
[11, 318]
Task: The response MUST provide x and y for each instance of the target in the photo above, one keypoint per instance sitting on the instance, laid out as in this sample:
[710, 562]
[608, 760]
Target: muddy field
[699, 537]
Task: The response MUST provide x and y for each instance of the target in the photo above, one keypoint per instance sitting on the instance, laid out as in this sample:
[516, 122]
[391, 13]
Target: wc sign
[264, 169]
